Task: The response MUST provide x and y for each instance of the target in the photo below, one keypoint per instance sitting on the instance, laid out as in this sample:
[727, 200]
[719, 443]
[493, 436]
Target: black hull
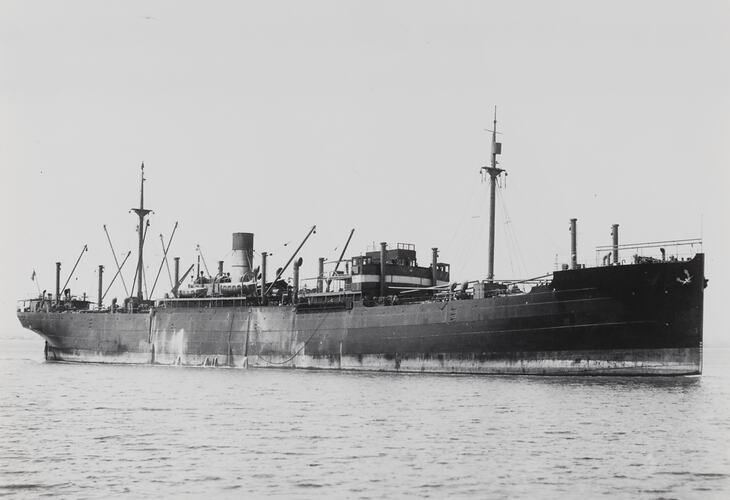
[643, 319]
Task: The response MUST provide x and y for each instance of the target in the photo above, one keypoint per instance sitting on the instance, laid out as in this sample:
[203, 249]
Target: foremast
[141, 213]
[494, 173]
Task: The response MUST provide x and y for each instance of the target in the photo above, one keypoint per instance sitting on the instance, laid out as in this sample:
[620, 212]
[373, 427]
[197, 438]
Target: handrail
[652, 244]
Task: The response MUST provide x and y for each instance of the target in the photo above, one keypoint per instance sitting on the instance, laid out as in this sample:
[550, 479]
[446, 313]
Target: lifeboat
[193, 292]
[231, 289]
[238, 289]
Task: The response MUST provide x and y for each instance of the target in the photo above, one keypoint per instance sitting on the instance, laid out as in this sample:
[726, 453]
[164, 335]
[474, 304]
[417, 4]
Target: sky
[270, 117]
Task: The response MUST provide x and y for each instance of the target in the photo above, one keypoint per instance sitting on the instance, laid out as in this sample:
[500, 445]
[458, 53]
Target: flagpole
[32, 277]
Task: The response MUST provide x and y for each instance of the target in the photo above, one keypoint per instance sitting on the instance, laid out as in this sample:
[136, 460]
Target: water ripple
[152, 431]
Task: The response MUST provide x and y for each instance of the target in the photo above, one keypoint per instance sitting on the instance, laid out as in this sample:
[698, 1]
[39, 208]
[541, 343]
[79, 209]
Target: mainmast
[494, 173]
[141, 213]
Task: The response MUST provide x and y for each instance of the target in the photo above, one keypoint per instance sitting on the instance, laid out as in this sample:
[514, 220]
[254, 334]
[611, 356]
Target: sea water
[92, 430]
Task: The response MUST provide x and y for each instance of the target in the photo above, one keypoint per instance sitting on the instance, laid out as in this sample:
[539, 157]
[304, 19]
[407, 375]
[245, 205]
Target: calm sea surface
[78, 430]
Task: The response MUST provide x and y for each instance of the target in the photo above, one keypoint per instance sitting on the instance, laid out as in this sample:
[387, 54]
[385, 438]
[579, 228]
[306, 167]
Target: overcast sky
[270, 117]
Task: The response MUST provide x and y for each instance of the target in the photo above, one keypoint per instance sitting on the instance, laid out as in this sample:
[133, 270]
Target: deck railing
[628, 253]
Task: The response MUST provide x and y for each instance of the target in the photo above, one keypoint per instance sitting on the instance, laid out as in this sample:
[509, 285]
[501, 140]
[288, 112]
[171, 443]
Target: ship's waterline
[630, 362]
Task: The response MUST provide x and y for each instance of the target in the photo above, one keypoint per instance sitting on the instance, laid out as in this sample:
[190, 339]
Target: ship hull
[643, 319]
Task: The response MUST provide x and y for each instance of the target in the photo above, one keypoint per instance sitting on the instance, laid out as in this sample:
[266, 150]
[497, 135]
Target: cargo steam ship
[384, 312]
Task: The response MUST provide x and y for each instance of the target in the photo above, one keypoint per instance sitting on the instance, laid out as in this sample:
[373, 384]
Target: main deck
[642, 319]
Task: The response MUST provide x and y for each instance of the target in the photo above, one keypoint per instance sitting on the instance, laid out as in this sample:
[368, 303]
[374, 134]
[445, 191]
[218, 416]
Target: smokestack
[295, 291]
[242, 256]
[383, 246]
[177, 276]
[58, 282]
[573, 245]
[434, 261]
[263, 273]
[101, 289]
[320, 276]
[220, 268]
[614, 233]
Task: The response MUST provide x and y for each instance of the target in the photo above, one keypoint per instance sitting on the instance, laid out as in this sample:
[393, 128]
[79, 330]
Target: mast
[141, 213]
[494, 173]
